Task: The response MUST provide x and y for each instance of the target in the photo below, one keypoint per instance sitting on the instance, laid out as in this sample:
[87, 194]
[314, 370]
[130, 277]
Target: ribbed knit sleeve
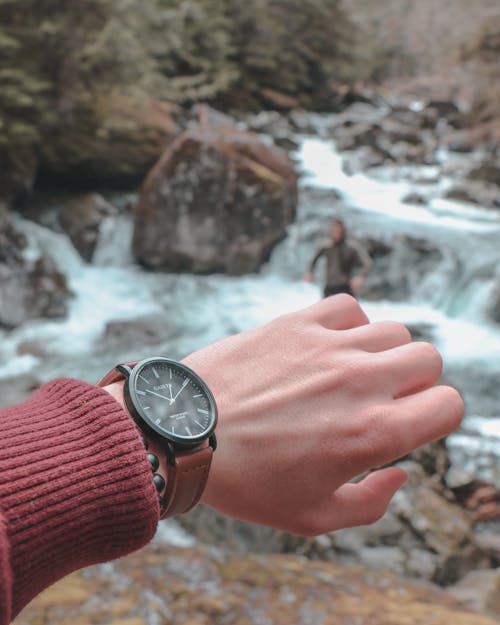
[75, 488]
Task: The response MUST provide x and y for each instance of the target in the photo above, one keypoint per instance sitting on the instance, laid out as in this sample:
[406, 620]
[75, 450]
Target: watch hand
[184, 384]
[158, 395]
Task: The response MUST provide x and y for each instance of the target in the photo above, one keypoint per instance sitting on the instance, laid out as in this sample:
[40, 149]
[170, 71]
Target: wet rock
[485, 195]
[486, 172]
[218, 200]
[202, 586]
[479, 591]
[436, 111]
[16, 389]
[30, 287]
[136, 333]
[494, 303]
[414, 198]
[386, 280]
[362, 159]
[81, 218]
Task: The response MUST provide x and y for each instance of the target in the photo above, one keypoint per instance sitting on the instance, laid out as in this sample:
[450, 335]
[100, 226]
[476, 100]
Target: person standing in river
[347, 263]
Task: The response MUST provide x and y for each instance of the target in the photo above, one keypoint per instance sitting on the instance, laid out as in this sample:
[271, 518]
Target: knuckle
[430, 354]
[399, 330]
[455, 404]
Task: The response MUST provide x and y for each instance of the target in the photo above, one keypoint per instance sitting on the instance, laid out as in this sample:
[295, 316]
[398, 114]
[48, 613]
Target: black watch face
[172, 400]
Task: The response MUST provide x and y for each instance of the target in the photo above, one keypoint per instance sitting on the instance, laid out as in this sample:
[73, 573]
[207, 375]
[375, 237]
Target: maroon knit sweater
[75, 489]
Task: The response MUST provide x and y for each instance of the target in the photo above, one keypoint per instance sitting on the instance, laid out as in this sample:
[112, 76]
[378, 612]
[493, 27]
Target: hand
[356, 283]
[312, 400]
[309, 277]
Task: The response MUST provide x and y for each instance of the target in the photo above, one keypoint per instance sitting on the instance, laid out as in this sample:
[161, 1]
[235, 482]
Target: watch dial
[173, 400]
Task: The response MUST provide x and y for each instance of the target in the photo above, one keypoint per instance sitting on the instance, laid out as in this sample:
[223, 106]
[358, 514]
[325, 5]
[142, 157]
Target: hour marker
[147, 407]
[155, 372]
[199, 395]
[158, 421]
[141, 392]
[199, 424]
[143, 378]
[188, 431]
[202, 411]
[170, 371]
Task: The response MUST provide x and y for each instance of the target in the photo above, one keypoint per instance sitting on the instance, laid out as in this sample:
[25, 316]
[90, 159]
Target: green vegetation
[61, 61]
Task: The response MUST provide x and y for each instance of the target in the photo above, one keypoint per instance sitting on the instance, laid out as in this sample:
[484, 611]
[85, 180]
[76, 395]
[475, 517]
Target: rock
[424, 533]
[109, 139]
[81, 218]
[219, 199]
[442, 526]
[479, 591]
[136, 333]
[486, 172]
[202, 586]
[494, 303]
[490, 544]
[362, 159]
[16, 389]
[386, 280]
[29, 288]
[414, 198]
[479, 193]
[480, 499]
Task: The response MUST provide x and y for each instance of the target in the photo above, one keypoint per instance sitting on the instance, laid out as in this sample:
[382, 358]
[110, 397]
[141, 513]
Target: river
[450, 302]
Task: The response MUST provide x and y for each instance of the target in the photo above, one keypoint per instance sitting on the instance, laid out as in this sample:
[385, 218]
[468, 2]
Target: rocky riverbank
[205, 585]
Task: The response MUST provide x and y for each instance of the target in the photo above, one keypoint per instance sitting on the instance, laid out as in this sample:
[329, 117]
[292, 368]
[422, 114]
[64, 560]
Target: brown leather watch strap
[186, 480]
[184, 472]
[115, 375]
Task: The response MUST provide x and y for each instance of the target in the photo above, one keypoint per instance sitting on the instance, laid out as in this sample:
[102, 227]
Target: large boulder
[30, 287]
[218, 200]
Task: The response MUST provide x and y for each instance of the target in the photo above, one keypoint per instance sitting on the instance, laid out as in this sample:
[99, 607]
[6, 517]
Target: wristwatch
[176, 415]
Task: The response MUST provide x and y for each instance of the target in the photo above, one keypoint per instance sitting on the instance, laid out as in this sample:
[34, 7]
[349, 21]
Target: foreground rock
[205, 586]
[29, 287]
[217, 201]
[422, 535]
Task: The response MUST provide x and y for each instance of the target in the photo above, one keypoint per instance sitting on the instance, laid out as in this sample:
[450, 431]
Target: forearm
[75, 488]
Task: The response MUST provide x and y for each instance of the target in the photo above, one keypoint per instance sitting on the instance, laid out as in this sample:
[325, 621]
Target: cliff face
[433, 44]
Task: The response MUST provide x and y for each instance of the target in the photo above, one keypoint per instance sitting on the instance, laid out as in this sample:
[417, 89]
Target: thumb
[367, 501]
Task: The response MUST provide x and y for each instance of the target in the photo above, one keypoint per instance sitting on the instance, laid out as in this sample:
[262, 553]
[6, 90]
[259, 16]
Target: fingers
[424, 417]
[338, 312]
[366, 501]
[395, 430]
[408, 368]
[377, 337]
